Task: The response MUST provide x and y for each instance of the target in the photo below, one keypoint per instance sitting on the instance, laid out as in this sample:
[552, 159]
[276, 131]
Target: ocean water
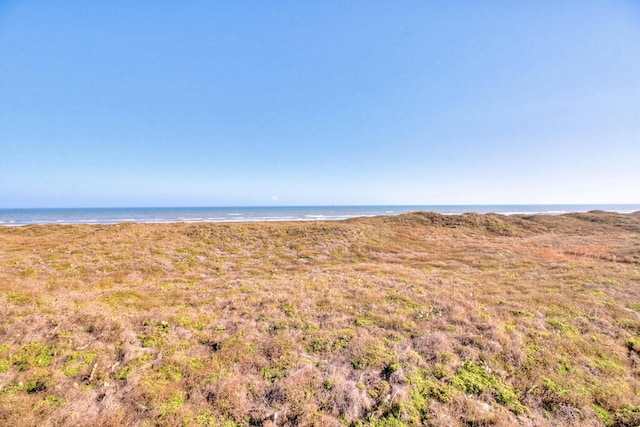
[17, 217]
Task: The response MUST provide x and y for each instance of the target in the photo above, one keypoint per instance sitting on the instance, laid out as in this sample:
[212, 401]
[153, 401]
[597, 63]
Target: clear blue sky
[181, 103]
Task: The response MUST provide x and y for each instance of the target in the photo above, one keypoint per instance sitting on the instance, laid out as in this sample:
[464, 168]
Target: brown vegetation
[418, 319]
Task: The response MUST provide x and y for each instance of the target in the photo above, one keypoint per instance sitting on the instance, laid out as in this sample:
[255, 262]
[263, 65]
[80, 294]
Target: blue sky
[218, 103]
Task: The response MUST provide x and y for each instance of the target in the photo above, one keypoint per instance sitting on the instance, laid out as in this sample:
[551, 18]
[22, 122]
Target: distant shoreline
[171, 215]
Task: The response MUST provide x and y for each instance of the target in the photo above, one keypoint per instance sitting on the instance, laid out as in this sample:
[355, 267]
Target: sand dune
[417, 319]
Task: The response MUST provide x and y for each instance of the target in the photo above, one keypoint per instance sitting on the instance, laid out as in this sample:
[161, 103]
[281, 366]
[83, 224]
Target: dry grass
[419, 319]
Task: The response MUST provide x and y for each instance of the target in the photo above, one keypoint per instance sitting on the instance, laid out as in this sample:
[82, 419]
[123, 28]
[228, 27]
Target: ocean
[18, 217]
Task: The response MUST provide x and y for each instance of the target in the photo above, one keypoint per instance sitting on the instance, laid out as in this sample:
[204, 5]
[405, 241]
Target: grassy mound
[417, 319]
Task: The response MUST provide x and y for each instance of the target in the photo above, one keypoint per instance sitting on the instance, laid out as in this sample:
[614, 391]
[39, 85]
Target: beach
[417, 318]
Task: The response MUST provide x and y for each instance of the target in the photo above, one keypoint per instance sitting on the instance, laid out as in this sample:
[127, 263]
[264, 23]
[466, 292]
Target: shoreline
[273, 214]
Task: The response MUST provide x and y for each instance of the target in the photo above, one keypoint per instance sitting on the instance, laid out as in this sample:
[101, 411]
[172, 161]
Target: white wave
[521, 213]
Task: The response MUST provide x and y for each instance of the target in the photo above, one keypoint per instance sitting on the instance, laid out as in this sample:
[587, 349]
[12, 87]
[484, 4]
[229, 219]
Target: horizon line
[321, 205]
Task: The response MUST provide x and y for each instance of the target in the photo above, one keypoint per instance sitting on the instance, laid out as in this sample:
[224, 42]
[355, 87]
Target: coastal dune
[414, 319]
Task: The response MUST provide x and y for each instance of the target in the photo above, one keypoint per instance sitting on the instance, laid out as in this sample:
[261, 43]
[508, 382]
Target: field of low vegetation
[417, 319]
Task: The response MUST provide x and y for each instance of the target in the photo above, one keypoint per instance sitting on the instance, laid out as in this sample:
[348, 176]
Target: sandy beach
[416, 319]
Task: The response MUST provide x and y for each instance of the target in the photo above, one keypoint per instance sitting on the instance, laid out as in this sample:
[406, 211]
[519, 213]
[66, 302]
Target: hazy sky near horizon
[215, 103]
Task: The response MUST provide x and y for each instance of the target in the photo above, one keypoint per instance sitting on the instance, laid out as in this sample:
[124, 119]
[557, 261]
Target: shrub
[476, 379]
[33, 354]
